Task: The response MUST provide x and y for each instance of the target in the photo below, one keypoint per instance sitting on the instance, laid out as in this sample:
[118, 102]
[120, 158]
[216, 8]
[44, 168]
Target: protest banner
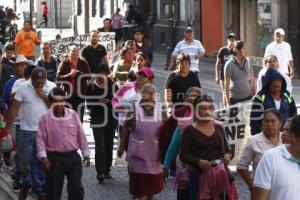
[61, 46]
[107, 39]
[236, 120]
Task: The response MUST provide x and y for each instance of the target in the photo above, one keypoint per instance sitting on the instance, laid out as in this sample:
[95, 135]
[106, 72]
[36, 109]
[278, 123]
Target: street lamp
[170, 45]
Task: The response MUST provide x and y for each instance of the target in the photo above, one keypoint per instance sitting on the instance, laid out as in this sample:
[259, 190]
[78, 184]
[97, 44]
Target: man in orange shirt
[26, 40]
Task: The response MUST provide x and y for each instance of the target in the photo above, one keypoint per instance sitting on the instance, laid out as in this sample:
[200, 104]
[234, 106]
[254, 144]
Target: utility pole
[170, 45]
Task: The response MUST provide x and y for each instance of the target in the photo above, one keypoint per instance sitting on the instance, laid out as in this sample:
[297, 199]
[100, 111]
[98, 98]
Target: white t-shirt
[16, 85]
[279, 174]
[283, 53]
[277, 104]
[32, 106]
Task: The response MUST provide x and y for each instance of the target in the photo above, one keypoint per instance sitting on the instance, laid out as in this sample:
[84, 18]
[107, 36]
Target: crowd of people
[44, 102]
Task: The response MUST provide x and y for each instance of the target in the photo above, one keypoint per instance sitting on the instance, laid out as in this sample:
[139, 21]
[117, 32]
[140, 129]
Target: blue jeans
[31, 171]
[17, 159]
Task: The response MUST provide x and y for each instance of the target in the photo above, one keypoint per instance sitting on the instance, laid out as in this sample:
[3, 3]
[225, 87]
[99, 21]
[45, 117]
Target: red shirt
[44, 10]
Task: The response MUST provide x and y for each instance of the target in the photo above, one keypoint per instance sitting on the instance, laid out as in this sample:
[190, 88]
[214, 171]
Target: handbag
[6, 144]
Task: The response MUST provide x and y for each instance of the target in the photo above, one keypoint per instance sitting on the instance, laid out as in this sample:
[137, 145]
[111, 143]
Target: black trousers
[68, 165]
[77, 104]
[183, 194]
[45, 20]
[104, 142]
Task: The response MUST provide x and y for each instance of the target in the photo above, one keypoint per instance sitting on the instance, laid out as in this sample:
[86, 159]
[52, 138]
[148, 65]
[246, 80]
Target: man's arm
[105, 59]
[227, 85]
[172, 62]
[292, 69]
[261, 194]
[12, 113]
[217, 69]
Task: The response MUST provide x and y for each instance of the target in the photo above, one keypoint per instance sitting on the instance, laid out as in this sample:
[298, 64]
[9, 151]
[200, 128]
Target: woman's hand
[204, 164]
[165, 174]
[227, 158]
[120, 151]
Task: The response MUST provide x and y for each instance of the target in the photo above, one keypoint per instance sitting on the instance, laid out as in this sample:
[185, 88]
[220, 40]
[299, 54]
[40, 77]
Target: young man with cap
[60, 135]
[32, 98]
[223, 56]
[189, 46]
[282, 50]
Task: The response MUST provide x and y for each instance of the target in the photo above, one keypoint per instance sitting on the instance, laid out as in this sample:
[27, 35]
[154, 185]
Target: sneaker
[23, 193]
[15, 185]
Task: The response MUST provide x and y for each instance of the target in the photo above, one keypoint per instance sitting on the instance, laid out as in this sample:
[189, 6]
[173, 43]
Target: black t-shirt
[224, 55]
[179, 85]
[94, 56]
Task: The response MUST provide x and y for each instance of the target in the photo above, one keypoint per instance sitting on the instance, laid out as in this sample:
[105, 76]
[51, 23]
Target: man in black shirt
[223, 56]
[94, 53]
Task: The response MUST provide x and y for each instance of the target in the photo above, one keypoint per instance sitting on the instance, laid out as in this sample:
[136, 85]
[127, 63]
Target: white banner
[107, 39]
[236, 120]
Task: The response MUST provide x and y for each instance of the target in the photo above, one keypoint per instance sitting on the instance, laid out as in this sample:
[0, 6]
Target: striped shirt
[192, 49]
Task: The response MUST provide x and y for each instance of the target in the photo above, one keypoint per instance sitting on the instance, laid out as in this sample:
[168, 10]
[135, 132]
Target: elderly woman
[144, 166]
[70, 71]
[272, 95]
[256, 146]
[206, 152]
[180, 81]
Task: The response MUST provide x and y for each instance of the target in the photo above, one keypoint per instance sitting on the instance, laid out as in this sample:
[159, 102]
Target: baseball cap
[188, 29]
[39, 74]
[231, 35]
[279, 31]
[147, 72]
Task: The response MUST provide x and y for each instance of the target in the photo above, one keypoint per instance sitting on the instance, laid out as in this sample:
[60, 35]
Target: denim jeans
[31, 171]
[17, 157]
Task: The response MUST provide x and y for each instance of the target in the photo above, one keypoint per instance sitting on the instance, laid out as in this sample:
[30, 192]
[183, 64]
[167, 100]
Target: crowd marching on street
[44, 101]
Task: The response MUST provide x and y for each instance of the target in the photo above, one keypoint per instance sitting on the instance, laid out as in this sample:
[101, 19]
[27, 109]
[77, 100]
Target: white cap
[280, 31]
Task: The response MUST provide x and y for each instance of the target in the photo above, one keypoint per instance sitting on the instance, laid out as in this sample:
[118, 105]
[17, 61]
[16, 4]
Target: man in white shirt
[191, 47]
[282, 50]
[277, 175]
[31, 99]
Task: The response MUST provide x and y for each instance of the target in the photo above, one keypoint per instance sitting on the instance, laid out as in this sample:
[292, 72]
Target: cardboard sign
[107, 39]
[61, 46]
[236, 120]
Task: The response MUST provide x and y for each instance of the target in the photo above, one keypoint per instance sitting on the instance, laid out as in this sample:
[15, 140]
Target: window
[79, 7]
[94, 8]
[164, 9]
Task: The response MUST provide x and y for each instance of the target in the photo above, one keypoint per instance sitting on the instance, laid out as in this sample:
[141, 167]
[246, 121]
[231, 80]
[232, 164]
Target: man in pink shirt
[60, 135]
